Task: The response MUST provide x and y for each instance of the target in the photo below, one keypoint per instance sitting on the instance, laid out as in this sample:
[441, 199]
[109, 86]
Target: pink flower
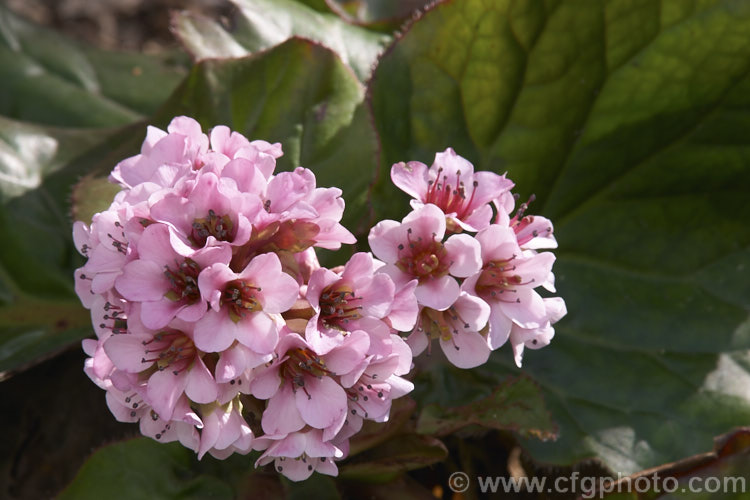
[536, 338]
[458, 330]
[303, 388]
[168, 361]
[224, 430]
[298, 454]
[357, 299]
[208, 212]
[165, 277]
[414, 249]
[165, 157]
[452, 185]
[507, 281]
[244, 306]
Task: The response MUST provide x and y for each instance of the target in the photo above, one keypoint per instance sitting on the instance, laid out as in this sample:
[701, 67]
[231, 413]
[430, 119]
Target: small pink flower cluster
[474, 292]
[209, 305]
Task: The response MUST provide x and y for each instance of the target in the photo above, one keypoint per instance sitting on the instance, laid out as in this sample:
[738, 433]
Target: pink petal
[231, 364]
[159, 313]
[500, 326]
[201, 386]
[437, 293]
[281, 415]
[350, 354]
[278, 290]
[466, 349]
[411, 178]
[527, 310]
[498, 243]
[266, 384]
[377, 296]
[126, 352]
[258, 331]
[164, 388]
[214, 332]
[384, 240]
[324, 405]
[465, 253]
[425, 222]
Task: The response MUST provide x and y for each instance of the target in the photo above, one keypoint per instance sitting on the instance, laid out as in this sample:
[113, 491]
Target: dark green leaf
[39, 313]
[402, 453]
[52, 80]
[629, 121]
[374, 433]
[261, 24]
[517, 405]
[299, 94]
[378, 14]
[316, 486]
[143, 468]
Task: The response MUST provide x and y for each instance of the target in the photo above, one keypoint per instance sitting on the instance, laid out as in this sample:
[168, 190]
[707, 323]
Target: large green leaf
[143, 468]
[629, 120]
[516, 405]
[261, 24]
[52, 80]
[39, 312]
[300, 94]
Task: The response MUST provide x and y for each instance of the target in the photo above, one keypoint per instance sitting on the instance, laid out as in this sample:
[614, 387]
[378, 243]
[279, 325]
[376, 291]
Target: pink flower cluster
[209, 305]
[474, 292]
[216, 325]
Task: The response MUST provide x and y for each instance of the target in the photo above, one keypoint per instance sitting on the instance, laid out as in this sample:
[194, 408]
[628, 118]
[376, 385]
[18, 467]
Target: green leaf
[49, 79]
[143, 468]
[721, 473]
[517, 405]
[402, 453]
[261, 24]
[39, 312]
[628, 120]
[377, 14]
[373, 433]
[300, 94]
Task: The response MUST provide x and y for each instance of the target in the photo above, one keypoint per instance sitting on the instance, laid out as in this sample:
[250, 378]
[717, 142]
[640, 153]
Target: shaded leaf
[49, 79]
[143, 468]
[517, 405]
[720, 473]
[374, 433]
[377, 14]
[300, 94]
[261, 24]
[316, 486]
[628, 120]
[39, 312]
[402, 453]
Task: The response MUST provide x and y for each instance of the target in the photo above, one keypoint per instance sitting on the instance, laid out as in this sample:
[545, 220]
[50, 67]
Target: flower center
[240, 298]
[450, 195]
[183, 282]
[338, 306]
[170, 349]
[218, 226]
[303, 363]
[441, 324]
[497, 278]
[423, 259]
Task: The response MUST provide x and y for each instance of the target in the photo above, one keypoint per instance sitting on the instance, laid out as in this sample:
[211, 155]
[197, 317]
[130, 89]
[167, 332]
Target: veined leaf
[628, 120]
[261, 24]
